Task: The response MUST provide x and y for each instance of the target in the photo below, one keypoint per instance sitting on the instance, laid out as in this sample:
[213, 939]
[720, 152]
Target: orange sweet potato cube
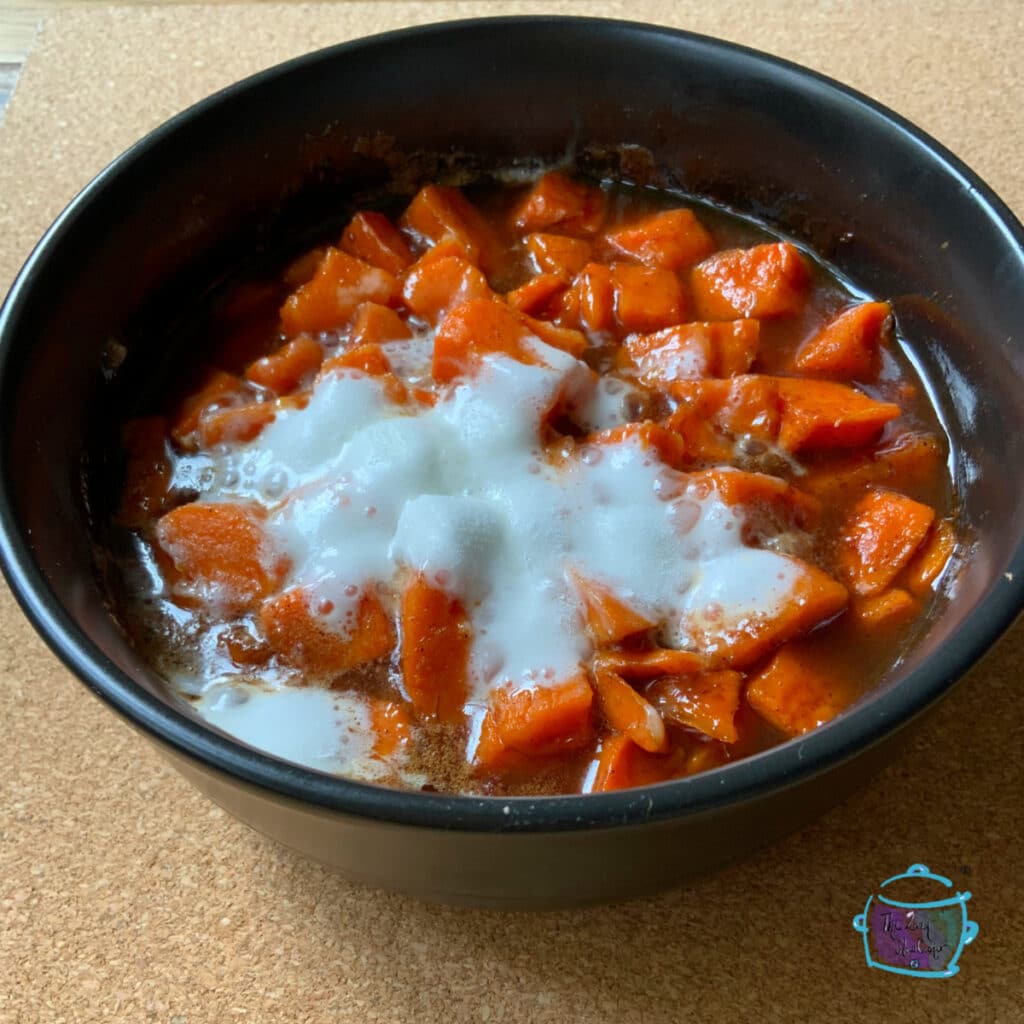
[556, 201]
[706, 701]
[234, 424]
[694, 350]
[798, 690]
[436, 639]
[368, 357]
[392, 727]
[893, 607]
[629, 713]
[848, 345]
[682, 352]
[594, 292]
[736, 487]
[282, 371]
[881, 535]
[622, 764]
[822, 414]
[764, 281]
[533, 722]
[931, 559]
[646, 299]
[375, 324]
[438, 212]
[670, 240]
[333, 294]
[477, 328]
[218, 391]
[222, 550]
[608, 617]
[640, 665]
[371, 237]
[298, 632]
[534, 297]
[747, 405]
[560, 255]
[815, 598]
[436, 284]
[666, 444]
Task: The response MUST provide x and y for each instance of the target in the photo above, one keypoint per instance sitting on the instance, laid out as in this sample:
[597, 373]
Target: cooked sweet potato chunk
[706, 701]
[670, 240]
[436, 637]
[881, 535]
[372, 238]
[847, 346]
[628, 712]
[609, 618]
[814, 598]
[594, 292]
[798, 690]
[285, 369]
[559, 202]
[666, 444]
[439, 213]
[560, 255]
[534, 296]
[646, 664]
[369, 358]
[436, 284]
[535, 722]
[335, 291]
[219, 390]
[477, 328]
[767, 280]
[893, 607]
[375, 324]
[234, 423]
[222, 550]
[300, 632]
[910, 463]
[931, 559]
[736, 487]
[646, 299]
[801, 415]
[622, 764]
[819, 414]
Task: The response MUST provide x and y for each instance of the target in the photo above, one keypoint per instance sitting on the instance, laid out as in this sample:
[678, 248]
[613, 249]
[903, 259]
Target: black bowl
[250, 169]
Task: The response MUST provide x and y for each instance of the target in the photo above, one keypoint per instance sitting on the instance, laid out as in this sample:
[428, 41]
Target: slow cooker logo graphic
[922, 939]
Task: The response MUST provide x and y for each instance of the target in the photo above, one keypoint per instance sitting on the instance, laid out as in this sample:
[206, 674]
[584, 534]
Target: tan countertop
[125, 896]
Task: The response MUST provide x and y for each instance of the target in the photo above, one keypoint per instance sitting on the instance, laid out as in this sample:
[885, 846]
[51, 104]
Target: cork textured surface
[125, 896]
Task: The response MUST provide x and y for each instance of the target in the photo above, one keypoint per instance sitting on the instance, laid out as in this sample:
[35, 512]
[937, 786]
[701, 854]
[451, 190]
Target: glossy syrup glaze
[535, 489]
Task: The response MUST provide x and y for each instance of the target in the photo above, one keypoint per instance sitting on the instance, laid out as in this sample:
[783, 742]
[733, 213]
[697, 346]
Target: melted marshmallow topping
[361, 490]
[309, 726]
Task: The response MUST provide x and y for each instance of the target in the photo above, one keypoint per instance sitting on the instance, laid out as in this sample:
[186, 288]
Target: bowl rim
[863, 726]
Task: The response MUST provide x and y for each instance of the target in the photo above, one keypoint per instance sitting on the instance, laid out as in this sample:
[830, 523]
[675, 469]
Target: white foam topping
[306, 725]
[365, 491]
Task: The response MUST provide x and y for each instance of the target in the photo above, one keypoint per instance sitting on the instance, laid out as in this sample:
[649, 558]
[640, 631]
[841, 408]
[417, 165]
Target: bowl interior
[259, 166]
